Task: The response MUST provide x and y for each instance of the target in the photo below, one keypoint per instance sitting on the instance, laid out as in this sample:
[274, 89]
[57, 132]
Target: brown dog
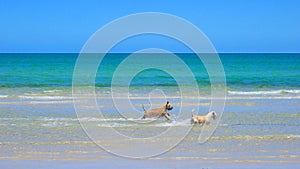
[158, 112]
[203, 119]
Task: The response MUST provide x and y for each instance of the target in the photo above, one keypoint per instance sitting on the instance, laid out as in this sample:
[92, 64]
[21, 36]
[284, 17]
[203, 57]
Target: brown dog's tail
[144, 111]
[192, 118]
[193, 111]
[143, 107]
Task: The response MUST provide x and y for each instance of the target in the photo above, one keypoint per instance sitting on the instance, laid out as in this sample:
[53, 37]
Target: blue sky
[232, 26]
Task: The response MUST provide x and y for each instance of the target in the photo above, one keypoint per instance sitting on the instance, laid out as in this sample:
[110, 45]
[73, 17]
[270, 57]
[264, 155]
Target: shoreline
[146, 164]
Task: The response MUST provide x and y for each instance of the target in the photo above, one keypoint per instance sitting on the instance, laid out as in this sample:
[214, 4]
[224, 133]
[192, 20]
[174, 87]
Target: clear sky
[232, 26]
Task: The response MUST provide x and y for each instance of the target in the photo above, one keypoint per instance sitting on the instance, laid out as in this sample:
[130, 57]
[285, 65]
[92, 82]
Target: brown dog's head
[214, 115]
[168, 106]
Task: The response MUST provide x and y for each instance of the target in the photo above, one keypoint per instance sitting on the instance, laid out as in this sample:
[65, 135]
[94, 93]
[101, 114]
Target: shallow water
[250, 131]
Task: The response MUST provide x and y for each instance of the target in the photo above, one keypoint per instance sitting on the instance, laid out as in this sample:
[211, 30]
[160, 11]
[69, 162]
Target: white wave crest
[51, 91]
[46, 97]
[3, 96]
[272, 92]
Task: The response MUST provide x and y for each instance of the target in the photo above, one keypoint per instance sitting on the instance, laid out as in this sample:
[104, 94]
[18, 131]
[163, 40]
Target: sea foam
[271, 92]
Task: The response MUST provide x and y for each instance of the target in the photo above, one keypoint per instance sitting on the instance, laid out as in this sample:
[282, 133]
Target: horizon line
[153, 53]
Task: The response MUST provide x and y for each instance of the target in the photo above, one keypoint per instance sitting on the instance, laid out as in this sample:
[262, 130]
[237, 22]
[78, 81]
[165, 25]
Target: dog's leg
[144, 111]
[144, 117]
[167, 117]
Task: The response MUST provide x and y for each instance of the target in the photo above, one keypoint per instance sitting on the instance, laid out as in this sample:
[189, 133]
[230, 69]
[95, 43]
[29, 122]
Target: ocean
[246, 74]
[260, 123]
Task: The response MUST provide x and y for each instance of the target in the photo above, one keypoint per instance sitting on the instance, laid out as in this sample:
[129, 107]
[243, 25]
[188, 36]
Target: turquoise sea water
[245, 73]
[260, 123]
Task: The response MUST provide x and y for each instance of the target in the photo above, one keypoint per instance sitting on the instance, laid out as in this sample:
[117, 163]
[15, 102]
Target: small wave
[115, 125]
[51, 119]
[100, 119]
[55, 124]
[3, 96]
[50, 102]
[137, 97]
[186, 122]
[254, 137]
[57, 119]
[51, 91]
[264, 92]
[89, 119]
[45, 97]
[156, 124]
[8, 124]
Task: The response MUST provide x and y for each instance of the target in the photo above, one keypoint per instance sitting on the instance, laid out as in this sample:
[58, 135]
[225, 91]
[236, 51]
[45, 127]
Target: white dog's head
[213, 114]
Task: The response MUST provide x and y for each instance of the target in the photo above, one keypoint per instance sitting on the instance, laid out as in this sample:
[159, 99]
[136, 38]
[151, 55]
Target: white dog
[203, 119]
